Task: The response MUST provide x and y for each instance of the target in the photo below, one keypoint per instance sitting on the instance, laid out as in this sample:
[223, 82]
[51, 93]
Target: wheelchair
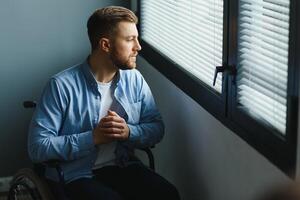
[31, 184]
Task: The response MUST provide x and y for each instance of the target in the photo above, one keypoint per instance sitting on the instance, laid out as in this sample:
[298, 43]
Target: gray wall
[199, 154]
[37, 39]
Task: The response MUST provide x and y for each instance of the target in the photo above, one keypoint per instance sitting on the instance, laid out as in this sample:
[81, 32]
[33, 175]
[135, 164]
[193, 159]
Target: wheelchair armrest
[150, 156]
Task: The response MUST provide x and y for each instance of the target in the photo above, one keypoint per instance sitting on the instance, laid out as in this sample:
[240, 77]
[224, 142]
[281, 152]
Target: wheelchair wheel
[26, 184]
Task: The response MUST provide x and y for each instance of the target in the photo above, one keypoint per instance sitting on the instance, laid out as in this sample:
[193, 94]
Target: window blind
[263, 60]
[189, 32]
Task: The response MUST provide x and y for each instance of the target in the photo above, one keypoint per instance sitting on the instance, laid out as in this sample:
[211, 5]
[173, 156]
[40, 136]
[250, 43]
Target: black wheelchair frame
[30, 183]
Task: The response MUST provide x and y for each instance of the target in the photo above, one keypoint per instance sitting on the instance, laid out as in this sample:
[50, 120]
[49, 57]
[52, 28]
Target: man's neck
[102, 68]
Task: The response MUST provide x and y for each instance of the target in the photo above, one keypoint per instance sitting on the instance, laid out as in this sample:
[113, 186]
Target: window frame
[279, 150]
[211, 100]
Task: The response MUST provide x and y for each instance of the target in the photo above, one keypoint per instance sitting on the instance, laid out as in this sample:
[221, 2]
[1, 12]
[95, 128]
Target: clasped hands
[112, 127]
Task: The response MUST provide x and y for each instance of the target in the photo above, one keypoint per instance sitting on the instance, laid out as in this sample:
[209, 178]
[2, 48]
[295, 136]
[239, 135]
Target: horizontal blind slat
[263, 60]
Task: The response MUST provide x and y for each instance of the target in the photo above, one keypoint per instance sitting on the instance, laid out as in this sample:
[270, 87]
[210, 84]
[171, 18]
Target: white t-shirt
[106, 155]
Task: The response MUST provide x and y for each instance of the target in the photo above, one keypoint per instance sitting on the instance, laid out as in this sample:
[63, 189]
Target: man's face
[125, 46]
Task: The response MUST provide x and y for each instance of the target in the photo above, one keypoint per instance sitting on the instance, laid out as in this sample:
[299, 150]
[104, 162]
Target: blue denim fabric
[68, 111]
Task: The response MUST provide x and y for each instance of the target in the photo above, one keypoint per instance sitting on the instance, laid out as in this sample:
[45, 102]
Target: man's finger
[112, 118]
[111, 130]
[114, 136]
[112, 124]
[110, 112]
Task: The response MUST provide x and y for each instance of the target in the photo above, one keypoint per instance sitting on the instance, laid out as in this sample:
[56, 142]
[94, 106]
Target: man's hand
[99, 137]
[110, 128]
[114, 126]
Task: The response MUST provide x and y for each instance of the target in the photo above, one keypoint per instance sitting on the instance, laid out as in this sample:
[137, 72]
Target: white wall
[200, 154]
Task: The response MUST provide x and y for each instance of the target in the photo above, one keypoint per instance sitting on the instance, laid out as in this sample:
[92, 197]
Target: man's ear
[104, 44]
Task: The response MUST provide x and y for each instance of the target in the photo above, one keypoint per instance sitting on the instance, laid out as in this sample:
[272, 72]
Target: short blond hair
[103, 22]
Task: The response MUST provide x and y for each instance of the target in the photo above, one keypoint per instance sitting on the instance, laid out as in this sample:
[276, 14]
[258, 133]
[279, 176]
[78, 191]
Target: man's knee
[162, 191]
[169, 191]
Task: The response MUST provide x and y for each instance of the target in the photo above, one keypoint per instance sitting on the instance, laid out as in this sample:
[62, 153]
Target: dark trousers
[134, 182]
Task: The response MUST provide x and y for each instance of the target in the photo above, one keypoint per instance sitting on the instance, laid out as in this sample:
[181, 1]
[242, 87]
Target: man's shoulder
[68, 73]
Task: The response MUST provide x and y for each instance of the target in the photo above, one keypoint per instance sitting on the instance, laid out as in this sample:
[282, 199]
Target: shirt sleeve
[150, 129]
[44, 140]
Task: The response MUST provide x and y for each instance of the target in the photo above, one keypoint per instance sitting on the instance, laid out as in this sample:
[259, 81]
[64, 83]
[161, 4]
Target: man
[91, 116]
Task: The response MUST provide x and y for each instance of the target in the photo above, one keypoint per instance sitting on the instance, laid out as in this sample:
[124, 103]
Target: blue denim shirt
[68, 111]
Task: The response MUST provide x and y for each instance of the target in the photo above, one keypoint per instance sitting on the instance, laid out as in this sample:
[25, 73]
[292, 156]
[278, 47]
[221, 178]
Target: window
[263, 61]
[253, 44]
[171, 27]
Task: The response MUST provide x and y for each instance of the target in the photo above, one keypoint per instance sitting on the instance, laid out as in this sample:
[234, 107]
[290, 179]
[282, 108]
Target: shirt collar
[86, 68]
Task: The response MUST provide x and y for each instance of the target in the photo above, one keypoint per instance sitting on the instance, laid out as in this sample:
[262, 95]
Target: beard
[120, 62]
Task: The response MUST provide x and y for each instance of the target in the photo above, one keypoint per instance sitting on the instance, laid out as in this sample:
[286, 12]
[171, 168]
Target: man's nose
[137, 45]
